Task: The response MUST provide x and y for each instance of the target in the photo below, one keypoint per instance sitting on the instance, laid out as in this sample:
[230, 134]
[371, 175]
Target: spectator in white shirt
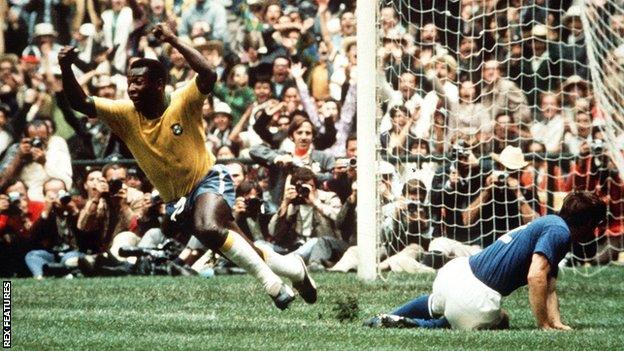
[549, 130]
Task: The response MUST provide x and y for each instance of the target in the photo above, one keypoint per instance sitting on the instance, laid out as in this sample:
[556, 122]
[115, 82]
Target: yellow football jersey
[170, 149]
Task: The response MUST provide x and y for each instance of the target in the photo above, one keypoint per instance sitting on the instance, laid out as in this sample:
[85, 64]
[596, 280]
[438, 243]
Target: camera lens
[412, 207]
[303, 191]
[114, 185]
[36, 142]
[353, 162]
[64, 197]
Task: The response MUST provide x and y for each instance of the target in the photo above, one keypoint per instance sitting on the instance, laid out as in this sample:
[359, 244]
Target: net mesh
[492, 111]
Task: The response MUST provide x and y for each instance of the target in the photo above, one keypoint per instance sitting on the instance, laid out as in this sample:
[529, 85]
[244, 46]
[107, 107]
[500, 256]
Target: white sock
[240, 252]
[288, 266]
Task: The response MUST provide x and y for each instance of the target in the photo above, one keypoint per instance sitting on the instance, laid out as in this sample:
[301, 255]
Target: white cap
[222, 107]
[539, 30]
[42, 29]
[87, 30]
[573, 11]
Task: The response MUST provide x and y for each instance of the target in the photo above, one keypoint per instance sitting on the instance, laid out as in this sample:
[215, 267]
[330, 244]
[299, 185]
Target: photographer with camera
[37, 157]
[106, 213]
[454, 187]
[502, 203]
[17, 214]
[54, 234]
[306, 221]
[249, 211]
[344, 174]
[281, 163]
[595, 171]
[406, 229]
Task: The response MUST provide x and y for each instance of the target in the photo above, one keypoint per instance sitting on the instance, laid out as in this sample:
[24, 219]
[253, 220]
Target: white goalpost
[367, 225]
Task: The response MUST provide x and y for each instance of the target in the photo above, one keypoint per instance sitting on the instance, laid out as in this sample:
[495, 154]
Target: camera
[413, 206]
[460, 151]
[14, 198]
[36, 142]
[114, 185]
[155, 197]
[254, 207]
[500, 177]
[64, 197]
[353, 162]
[152, 41]
[14, 203]
[302, 193]
[597, 147]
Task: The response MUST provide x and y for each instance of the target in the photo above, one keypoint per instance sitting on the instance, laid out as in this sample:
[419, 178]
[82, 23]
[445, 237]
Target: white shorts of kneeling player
[463, 299]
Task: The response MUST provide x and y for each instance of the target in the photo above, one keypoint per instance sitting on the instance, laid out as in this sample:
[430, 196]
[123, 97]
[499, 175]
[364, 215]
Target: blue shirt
[211, 12]
[504, 265]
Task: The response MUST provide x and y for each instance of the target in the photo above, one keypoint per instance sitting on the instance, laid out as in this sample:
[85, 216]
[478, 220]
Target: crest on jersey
[177, 129]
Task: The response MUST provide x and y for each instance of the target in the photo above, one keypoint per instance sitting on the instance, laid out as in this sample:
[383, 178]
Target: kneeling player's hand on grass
[561, 326]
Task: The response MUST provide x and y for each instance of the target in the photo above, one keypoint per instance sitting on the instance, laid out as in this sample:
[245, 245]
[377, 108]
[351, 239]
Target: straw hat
[511, 157]
[574, 80]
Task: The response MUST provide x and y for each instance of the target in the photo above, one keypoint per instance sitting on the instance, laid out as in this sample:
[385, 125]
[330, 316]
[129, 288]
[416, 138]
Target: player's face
[142, 90]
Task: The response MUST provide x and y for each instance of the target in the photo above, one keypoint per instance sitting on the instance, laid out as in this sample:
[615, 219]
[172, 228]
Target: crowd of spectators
[488, 114]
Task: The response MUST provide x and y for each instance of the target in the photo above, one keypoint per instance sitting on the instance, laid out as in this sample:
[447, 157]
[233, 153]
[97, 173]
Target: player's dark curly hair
[582, 208]
[155, 69]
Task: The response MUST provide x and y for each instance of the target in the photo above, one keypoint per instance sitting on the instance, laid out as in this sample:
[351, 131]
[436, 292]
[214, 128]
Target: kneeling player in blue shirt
[467, 291]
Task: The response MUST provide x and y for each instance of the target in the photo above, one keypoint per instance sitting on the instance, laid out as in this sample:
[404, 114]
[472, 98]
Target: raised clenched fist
[163, 33]
[67, 56]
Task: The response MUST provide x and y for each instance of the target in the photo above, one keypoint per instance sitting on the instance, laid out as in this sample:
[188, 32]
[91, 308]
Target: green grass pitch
[232, 313]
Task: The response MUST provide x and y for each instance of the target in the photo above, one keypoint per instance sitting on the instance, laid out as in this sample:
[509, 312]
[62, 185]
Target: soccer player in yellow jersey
[166, 138]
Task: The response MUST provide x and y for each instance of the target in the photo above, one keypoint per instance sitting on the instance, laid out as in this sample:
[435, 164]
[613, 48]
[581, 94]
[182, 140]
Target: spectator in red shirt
[17, 214]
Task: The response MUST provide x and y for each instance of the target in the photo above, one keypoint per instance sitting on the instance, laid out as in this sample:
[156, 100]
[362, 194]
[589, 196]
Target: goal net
[488, 114]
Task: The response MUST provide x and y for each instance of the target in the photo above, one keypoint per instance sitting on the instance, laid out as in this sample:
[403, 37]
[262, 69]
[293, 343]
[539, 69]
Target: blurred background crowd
[488, 118]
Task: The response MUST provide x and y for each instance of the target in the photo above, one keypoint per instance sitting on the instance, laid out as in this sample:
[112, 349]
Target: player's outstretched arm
[554, 315]
[77, 98]
[538, 290]
[206, 77]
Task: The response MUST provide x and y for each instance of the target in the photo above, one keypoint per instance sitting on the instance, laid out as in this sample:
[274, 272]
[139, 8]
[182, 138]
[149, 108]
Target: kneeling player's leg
[211, 222]
[419, 314]
[417, 308]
